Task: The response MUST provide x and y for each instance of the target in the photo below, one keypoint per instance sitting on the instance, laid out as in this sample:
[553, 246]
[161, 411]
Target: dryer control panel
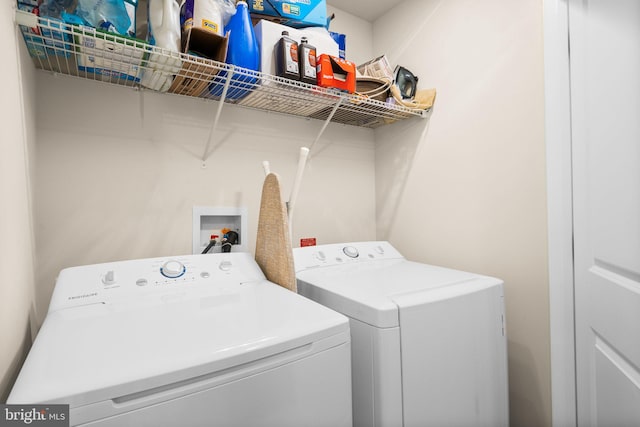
[342, 253]
[145, 281]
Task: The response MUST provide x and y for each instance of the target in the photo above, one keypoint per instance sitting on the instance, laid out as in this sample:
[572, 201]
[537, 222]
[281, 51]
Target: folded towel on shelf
[423, 100]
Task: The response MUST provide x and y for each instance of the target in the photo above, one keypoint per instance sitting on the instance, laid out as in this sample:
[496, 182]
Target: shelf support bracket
[205, 155]
[326, 123]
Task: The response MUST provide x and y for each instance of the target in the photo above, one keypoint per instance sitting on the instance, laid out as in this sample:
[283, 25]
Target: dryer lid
[369, 291]
[96, 352]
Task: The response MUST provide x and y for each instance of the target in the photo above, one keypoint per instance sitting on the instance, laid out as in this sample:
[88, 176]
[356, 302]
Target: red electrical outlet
[308, 241]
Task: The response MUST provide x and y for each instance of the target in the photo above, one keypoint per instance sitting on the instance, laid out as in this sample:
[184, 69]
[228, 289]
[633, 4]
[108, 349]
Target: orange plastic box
[336, 72]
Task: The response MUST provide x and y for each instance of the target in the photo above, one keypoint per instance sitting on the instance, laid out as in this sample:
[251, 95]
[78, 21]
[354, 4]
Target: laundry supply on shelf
[297, 14]
[115, 16]
[336, 73]
[341, 39]
[210, 15]
[307, 61]
[164, 24]
[243, 52]
[163, 32]
[286, 53]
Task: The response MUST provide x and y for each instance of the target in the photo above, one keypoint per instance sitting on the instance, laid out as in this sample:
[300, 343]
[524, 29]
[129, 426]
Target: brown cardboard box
[198, 72]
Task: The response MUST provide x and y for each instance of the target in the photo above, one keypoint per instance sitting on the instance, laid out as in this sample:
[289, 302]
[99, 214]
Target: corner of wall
[470, 193]
[359, 33]
[16, 227]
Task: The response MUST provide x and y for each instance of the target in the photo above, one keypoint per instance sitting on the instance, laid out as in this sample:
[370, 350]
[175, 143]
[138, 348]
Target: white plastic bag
[211, 15]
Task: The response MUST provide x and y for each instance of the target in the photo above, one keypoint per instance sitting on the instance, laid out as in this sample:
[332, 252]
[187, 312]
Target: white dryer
[199, 340]
[428, 343]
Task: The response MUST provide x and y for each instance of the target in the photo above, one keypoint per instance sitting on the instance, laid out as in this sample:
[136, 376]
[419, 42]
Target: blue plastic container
[243, 52]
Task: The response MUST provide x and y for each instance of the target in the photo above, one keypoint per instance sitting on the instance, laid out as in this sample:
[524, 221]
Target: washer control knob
[225, 265]
[380, 250]
[109, 278]
[173, 269]
[350, 251]
[320, 256]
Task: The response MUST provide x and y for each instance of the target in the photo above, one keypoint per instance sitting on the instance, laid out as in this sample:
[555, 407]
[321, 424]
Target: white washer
[198, 340]
[428, 343]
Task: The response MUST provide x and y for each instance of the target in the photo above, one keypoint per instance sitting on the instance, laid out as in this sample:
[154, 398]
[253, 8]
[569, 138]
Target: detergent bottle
[243, 52]
[164, 24]
[243, 45]
[164, 32]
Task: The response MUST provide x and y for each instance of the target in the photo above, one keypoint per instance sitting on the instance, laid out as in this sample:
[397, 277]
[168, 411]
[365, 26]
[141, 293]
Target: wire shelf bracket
[324, 126]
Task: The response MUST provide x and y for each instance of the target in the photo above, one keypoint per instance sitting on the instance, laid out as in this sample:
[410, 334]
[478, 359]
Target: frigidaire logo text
[93, 294]
[31, 415]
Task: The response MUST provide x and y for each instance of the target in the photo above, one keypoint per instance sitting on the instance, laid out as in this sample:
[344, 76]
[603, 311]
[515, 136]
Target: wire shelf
[84, 52]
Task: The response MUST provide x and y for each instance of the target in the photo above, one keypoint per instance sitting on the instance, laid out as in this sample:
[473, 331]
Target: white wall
[359, 34]
[119, 172]
[466, 189]
[16, 243]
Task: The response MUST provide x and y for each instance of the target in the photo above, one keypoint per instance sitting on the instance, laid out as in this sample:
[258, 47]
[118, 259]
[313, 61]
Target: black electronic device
[406, 81]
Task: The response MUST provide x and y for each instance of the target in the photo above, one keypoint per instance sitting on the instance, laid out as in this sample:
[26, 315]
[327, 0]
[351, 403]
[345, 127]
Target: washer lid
[368, 291]
[96, 352]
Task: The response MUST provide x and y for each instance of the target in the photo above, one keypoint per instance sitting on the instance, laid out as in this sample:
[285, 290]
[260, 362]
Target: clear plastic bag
[55, 8]
[110, 15]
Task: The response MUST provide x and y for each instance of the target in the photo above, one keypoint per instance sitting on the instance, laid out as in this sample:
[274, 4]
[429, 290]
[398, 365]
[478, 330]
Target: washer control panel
[173, 269]
[351, 251]
[137, 280]
[341, 253]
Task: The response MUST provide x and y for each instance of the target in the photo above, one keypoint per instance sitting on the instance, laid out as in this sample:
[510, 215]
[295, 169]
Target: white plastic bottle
[164, 24]
[164, 32]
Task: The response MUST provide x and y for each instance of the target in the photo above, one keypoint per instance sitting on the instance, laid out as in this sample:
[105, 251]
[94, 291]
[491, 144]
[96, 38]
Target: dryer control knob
[350, 251]
[320, 256]
[173, 269]
[225, 265]
[109, 278]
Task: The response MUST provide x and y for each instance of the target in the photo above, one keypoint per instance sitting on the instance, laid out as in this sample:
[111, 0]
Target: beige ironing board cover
[273, 244]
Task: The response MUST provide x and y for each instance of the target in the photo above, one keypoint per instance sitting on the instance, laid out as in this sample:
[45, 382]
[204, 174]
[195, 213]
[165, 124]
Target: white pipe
[302, 162]
[266, 167]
